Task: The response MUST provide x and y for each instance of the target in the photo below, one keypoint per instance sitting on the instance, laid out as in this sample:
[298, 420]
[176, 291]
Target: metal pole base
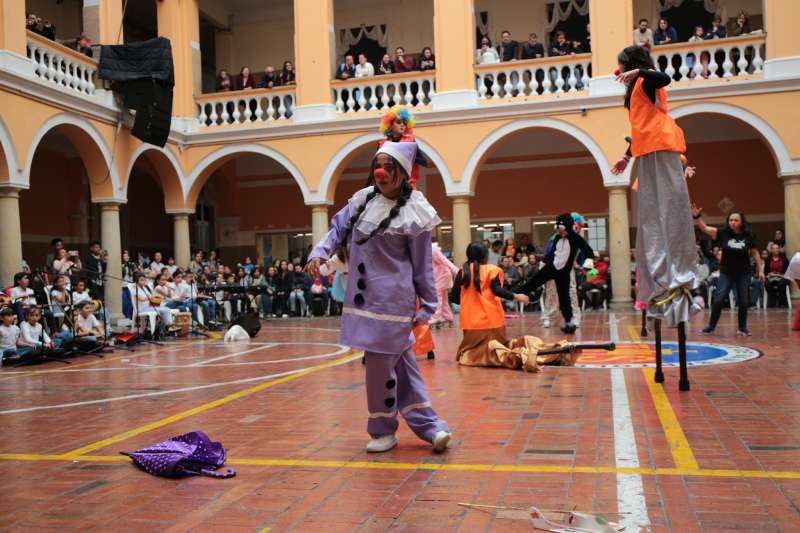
[643, 333]
[659, 375]
[683, 385]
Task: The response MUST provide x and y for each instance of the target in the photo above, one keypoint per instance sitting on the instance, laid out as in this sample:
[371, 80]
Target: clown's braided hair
[405, 195]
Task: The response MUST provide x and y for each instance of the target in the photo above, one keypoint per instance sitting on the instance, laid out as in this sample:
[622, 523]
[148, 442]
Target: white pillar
[182, 246]
[791, 210]
[619, 244]
[110, 238]
[319, 222]
[462, 234]
[10, 235]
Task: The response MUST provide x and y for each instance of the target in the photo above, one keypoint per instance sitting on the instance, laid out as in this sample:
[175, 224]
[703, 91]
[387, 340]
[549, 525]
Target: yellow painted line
[633, 333]
[450, 467]
[205, 407]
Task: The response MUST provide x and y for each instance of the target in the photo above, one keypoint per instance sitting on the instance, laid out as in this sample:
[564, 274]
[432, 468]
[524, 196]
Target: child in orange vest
[478, 288]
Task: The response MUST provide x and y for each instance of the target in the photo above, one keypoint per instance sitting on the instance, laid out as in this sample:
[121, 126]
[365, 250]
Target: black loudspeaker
[153, 104]
[250, 323]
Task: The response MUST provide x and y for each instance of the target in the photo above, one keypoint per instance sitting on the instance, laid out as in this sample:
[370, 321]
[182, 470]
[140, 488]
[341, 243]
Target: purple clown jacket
[387, 273]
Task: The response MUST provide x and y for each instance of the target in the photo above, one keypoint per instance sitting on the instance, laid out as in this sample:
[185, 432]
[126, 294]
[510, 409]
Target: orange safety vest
[653, 130]
[482, 310]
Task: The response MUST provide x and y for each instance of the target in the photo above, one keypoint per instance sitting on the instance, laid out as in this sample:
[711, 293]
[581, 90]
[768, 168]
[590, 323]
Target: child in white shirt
[9, 334]
[32, 334]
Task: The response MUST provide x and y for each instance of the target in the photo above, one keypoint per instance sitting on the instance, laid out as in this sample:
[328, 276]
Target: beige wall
[67, 15]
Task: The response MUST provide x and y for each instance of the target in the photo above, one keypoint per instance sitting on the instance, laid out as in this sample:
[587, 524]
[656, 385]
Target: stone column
[10, 235]
[454, 42]
[462, 234]
[314, 59]
[102, 21]
[791, 199]
[612, 30]
[111, 242]
[13, 38]
[319, 222]
[179, 21]
[619, 244]
[182, 246]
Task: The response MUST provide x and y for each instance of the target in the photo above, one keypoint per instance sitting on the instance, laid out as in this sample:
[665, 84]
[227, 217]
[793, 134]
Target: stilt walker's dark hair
[477, 255]
[631, 58]
[405, 195]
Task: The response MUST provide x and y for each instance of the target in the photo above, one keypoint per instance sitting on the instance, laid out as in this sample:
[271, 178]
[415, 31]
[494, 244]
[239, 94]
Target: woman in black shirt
[738, 246]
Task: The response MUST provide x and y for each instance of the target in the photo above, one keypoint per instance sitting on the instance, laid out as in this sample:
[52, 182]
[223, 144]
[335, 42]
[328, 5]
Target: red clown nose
[381, 173]
[616, 72]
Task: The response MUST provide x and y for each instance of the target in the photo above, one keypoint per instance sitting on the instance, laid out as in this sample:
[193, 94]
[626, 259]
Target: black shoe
[744, 333]
[708, 330]
[431, 355]
[569, 328]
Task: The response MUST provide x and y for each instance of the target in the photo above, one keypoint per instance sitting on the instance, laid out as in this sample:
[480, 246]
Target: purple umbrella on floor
[192, 454]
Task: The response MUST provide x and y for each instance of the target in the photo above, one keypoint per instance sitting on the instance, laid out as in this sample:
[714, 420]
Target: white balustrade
[253, 106]
[62, 66]
[360, 95]
[521, 79]
[734, 57]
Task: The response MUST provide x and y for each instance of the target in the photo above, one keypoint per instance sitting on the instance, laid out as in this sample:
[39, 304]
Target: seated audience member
[511, 274]
[427, 61]
[347, 69]
[486, 54]
[156, 266]
[717, 30]
[224, 81]
[66, 263]
[741, 26]
[59, 296]
[247, 265]
[21, 295]
[32, 334]
[288, 74]
[146, 301]
[532, 49]
[529, 268]
[643, 35]
[171, 267]
[209, 306]
[386, 66]
[319, 291]
[508, 47]
[268, 300]
[403, 62]
[83, 45]
[364, 68]
[87, 328]
[774, 268]
[665, 34]
[9, 336]
[595, 291]
[245, 80]
[510, 248]
[270, 79]
[560, 46]
[697, 36]
[222, 299]
[79, 292]
[779, 240]
[196, 264]
[237, 300]
[301, 283]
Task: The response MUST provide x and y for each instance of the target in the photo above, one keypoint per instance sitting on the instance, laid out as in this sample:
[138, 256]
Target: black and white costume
[558, 267]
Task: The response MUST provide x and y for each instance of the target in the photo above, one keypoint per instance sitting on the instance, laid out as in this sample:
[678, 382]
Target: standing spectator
[30, 23]
[364, 68]
[779, 240]
[128, 267]
[665, 34]
[774, 268]
[347, 69]
[741, 26]
[486, 54]
[560, 46]
[532, 49]
[82, 45]
[717, 30]
[213, 261]
[57, 244]
[386, 65]
[48, 30]
[494, 253]
[427, 61]
[402, 62]
[65, 264]
[288, 74]
[224, 81]
[643, 36]
[95, 265]
[301, 284]
[270, 79]
[508, 47]
[196, 265]
[245, 80]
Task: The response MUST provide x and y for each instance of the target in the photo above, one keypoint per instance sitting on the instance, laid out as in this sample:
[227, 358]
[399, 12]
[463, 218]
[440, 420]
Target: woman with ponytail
[385, 233]
[478, 289]
[665, 242]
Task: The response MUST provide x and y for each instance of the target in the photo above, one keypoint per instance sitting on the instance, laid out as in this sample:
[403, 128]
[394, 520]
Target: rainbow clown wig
[580, 222]
[395, 112]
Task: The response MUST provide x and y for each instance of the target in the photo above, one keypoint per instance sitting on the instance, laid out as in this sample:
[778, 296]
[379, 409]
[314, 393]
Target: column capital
[318, 206]
[180, 212]
[109, 206]
[617, 188]
[790, 178]
[8, 190]
[461, 196]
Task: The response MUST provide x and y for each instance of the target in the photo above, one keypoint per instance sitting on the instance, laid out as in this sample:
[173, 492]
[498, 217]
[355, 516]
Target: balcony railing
[62, 66]
[359, 95]
[534, 77]
[734, 57]
[250, 106]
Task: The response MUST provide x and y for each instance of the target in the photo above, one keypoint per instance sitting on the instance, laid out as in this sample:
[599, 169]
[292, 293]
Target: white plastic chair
[150, 316]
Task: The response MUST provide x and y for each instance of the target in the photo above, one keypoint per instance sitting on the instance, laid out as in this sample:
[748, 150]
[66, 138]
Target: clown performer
[443, 272]
[665, 244]
[397, 126]
[385, 232]
[558, 266]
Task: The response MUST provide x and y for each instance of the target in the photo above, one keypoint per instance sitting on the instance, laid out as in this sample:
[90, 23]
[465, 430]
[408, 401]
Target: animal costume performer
[793, 273]
[443, 272]
[550, 294]
[559, 266]
[478, 289]
[386, 229]
[665, 244]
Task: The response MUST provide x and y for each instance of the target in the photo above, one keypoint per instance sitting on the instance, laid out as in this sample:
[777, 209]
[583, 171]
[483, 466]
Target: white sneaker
[441, 440]
[546, 323]
[381, 444]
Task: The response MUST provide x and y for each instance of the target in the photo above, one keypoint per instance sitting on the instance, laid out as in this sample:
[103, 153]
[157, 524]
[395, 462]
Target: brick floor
[551, 427]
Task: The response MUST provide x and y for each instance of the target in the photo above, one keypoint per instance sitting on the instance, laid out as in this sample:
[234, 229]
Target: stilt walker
[386, 231]
[665, 244]
[793, 273]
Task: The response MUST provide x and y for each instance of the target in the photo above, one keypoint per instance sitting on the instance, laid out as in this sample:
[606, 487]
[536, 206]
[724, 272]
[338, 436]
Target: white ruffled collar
[417, 216]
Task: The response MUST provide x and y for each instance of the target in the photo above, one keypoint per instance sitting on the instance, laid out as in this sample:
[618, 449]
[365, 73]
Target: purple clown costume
[388, 273]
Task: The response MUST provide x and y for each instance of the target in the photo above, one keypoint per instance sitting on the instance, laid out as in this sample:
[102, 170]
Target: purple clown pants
[394, 385]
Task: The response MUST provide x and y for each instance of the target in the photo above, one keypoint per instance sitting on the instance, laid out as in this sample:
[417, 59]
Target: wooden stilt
[659, 375]
[684, 381]
[643, 333]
